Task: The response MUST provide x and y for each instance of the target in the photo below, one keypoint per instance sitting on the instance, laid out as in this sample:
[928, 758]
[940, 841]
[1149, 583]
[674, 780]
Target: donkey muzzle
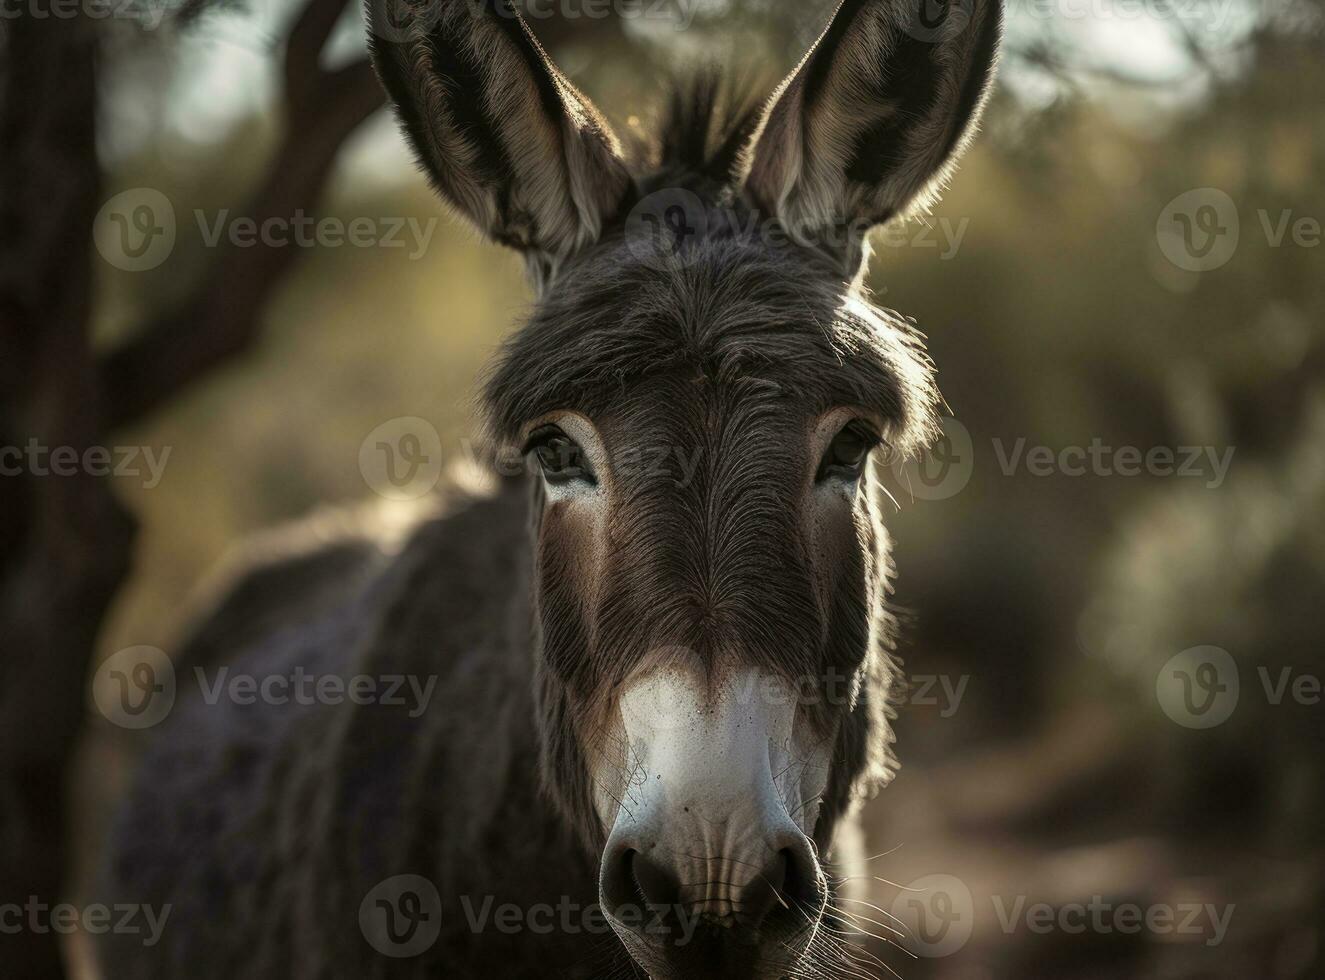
[709, 868]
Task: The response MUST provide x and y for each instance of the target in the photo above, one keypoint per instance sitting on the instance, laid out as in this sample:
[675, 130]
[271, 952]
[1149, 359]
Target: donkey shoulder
[339, 594]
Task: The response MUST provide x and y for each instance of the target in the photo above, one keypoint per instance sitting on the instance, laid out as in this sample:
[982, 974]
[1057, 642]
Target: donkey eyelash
[560, 457]
[539, 436]
[846, 454]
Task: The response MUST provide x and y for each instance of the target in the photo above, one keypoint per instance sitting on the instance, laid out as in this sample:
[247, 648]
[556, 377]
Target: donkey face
[703, 407]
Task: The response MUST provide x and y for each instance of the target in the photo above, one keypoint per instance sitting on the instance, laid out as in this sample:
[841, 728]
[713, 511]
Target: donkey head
[702, 387]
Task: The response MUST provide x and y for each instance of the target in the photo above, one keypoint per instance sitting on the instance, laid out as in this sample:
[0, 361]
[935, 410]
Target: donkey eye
[559, 456]
[845, 457]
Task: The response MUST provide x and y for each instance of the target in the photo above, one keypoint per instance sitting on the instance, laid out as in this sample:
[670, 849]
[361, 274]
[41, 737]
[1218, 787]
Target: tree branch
[223, 315]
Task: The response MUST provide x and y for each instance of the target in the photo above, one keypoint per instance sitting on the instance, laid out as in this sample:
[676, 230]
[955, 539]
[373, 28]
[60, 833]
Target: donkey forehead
[739, 323]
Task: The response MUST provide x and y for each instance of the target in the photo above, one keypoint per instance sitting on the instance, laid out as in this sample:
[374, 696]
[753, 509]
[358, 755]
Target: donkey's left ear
[872, 121]
[503, 135]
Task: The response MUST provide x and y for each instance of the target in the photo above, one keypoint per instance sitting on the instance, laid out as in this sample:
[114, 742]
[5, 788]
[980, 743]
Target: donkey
[662, 688]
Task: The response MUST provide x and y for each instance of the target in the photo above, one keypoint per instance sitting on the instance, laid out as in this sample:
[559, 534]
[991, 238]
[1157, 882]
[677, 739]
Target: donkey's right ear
[872, 122]
[503, 135]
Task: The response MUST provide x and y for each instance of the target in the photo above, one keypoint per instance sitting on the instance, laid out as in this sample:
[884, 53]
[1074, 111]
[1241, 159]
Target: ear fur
[871, 123]
[501, 132]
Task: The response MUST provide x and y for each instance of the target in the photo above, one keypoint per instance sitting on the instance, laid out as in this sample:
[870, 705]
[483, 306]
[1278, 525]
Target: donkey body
[660, 693]
[262, 829]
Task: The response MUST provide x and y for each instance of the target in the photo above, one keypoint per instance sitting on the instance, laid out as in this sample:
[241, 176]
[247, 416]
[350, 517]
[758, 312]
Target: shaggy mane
[706, 124]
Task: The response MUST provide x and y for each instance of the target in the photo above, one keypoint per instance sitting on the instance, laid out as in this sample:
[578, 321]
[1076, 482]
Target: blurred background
[1112, 565]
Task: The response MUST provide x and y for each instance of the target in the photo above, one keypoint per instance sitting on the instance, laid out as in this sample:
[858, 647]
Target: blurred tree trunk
[64, 541]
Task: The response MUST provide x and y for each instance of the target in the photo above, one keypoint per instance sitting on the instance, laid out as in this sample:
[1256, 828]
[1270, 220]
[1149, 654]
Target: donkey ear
[501, 132]
[873, 120]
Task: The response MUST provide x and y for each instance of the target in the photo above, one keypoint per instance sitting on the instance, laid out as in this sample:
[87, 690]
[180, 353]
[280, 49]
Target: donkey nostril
[764, 892]
[633, 884]
[657, 887]
[795, 897]
[804, 889]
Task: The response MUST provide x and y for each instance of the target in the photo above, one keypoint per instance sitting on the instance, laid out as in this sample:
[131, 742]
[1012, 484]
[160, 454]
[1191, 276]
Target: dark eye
[559, 456]
[846, 454]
